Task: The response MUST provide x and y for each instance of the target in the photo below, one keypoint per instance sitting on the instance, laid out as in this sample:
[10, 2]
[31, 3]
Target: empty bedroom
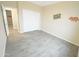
[39, 28]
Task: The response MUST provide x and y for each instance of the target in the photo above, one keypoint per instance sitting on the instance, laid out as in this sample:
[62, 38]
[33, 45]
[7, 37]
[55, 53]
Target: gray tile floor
[38, 44]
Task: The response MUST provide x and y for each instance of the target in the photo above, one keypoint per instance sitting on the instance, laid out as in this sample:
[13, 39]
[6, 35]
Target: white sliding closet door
[31, 20]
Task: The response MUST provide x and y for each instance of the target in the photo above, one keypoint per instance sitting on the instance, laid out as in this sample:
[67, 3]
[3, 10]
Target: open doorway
[9, 19]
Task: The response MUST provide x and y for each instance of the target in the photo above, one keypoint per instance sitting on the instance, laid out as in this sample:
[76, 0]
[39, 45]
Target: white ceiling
[44, 3]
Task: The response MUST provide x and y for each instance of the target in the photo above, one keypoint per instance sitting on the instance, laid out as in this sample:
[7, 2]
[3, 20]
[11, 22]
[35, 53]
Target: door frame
[11, 15]
[5, 20]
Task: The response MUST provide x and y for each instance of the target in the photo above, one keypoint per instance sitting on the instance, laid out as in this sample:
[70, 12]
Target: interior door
[5, 20]
[3, 36]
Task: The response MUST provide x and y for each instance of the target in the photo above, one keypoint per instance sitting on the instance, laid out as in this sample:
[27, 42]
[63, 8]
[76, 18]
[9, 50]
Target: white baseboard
[61, 38]
[78, 52]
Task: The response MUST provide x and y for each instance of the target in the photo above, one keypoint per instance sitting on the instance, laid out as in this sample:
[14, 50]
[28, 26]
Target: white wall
[63, 27]
[31, 20]
[2, 36]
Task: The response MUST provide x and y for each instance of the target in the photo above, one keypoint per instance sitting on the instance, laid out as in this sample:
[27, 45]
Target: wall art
[57, 16]
[74, 19]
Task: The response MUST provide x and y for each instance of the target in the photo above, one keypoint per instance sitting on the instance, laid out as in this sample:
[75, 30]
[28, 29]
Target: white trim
[11, 14]
[8, 8]
[5, 19]
[78, 52]
[61, 38]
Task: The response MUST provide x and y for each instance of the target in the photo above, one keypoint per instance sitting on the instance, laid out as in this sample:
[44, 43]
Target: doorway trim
[15, 20]
[11, 15]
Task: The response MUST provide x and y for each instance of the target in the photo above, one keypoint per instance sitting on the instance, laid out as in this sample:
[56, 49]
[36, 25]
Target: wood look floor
[38, 44]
